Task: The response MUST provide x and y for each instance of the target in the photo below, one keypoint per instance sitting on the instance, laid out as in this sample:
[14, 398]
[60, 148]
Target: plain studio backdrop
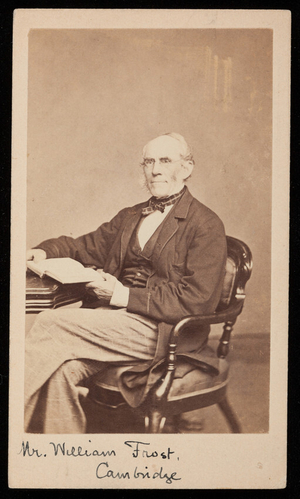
[95, 97]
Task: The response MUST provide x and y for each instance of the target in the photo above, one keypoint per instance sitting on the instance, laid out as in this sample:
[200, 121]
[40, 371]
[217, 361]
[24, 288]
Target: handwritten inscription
[102, 471]
[137, 449]
[27, 450]
[79, 451]
[61, 449]
[140, 451]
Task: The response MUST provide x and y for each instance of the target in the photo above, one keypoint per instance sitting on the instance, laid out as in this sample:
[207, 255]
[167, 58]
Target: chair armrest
[229, 314]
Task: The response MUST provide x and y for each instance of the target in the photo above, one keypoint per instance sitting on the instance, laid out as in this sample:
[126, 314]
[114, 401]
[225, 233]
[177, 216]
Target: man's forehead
[162, 146]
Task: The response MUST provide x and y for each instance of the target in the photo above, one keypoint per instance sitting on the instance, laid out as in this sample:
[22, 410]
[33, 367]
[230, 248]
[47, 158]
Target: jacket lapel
[129, 227]
[118, 250]
[170, 226]
[169, 229]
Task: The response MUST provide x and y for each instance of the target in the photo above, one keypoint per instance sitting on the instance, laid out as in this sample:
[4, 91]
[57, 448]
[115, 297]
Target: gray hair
[186, 153]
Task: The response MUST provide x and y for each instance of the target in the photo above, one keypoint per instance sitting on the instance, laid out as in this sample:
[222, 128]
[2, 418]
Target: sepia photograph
[145, 207]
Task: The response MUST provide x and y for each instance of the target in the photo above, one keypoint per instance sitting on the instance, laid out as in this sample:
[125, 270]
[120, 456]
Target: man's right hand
[36, 255]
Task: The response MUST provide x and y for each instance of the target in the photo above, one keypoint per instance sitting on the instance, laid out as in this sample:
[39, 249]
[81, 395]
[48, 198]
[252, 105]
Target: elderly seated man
[158, 261]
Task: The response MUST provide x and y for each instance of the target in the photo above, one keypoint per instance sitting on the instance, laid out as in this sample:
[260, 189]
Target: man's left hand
[104, 286]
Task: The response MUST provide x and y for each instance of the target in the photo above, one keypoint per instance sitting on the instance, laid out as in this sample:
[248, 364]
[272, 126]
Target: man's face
[163, 166]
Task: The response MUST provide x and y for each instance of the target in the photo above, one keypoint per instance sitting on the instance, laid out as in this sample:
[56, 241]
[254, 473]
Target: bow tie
[161, 203]
[156, 205]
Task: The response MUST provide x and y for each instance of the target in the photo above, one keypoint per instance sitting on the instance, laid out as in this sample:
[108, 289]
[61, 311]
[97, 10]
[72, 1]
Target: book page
[64, 270]
[90, 89]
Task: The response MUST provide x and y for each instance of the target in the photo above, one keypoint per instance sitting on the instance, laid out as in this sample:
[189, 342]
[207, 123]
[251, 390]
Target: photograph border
[235, 470]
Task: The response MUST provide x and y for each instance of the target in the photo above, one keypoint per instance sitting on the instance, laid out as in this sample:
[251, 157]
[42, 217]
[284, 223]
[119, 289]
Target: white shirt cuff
[120, 296]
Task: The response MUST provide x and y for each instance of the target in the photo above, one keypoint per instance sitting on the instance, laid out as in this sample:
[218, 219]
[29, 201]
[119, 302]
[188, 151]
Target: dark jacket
[189, 265]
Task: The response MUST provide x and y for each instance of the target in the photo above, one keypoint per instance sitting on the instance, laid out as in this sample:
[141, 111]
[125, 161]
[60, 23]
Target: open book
[64, 270]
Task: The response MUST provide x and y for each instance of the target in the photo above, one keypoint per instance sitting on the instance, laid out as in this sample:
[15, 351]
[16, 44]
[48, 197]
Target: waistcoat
[137, 264]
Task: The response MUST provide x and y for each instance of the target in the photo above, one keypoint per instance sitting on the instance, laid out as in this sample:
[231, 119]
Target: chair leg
[176, 422]
[230, 416]
[155, 422]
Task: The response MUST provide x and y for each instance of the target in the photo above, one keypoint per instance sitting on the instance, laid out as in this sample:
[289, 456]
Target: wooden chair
[174, 395]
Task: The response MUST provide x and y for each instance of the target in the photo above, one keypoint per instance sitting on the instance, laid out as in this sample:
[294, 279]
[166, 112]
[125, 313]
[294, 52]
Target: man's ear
[187, 168]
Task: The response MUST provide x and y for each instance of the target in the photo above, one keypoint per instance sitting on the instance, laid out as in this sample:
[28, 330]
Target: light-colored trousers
[65, 347]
